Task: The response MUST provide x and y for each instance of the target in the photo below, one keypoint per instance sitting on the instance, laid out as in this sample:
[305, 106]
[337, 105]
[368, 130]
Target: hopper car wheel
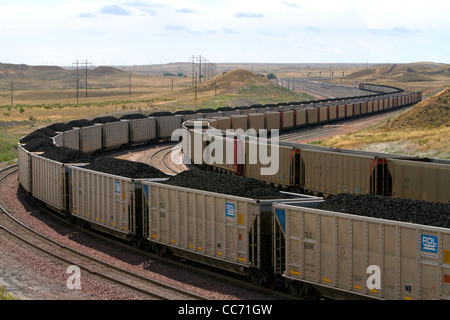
[162, 251]
[302, 290]
[137, 243]
[262, 278]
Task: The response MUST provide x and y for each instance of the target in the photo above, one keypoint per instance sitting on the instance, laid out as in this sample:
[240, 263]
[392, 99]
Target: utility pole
[12, 94]
[200, 70]
[197, 69]
[78, 64]
[195, 86]
[193, 69]
[129, 84]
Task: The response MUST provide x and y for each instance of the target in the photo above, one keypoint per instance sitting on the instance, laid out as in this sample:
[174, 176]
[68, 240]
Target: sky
[140, 32]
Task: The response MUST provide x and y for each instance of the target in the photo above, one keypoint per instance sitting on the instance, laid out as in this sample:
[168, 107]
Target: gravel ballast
[381, 207]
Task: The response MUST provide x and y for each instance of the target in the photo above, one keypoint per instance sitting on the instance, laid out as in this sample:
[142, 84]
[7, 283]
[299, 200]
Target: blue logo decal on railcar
[146, 191]
[429, 243]
[281, 215]
[117, 187]
[229, 210]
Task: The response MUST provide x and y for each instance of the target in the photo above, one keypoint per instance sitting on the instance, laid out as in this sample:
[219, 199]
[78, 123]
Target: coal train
[286, 240]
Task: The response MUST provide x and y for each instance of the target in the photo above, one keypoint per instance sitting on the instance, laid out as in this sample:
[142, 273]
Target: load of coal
[34, 135]
[59, 127]
[80, 123]
[207, 110]
[133, 116]
[226, 184]
[105, 119]
[39, 145]
[382, 207]
[125, 168]
[38, 140]
[182, 112]
[225, 109]
[161, 114]
[67, 155]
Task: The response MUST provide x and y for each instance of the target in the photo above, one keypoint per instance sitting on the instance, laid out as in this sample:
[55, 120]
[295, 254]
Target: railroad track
[162, 159]
[144, 286]
[4, 172]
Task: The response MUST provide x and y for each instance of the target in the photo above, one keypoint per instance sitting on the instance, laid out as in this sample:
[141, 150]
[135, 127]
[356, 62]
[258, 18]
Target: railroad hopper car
[272, 121]
[239, 122]
[222, 123]
[58, 140]
[106, 202]
[25, 171]
[336, 253]
[300, 117]
[72, 139]
[229, 232]
[115, 134]
[143, 130]
[91, 138]
[167, 125]
[287, 120]
[312, 116]
[332, 172]
[280, 167]
[414, 179]
[257, 122]
[49, 182]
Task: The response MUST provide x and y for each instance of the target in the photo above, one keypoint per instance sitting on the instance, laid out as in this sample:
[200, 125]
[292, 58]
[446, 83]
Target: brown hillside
[19, 71]
[231, 81]
[431, 113]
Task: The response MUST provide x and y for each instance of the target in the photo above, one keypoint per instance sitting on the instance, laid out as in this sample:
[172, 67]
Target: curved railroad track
[144, 286]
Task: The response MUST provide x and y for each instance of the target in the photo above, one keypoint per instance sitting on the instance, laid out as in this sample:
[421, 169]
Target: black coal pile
[161, 114]
[80, 123]
[207, 110]
[39, 145]
[125, 168]
[105, 119]
[49, 132]
[226, 184]
[381, 207]
[225, 109]
[133, 116]
[59, 127]
[182, 112]
[34, 135]
[67, 155]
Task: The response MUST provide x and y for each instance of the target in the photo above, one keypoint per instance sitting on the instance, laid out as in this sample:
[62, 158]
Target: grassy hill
[427, 77]
[236, 88]
[423, 130]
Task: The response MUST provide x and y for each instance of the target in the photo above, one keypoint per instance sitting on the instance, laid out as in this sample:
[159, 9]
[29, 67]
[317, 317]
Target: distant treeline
[169, 74]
